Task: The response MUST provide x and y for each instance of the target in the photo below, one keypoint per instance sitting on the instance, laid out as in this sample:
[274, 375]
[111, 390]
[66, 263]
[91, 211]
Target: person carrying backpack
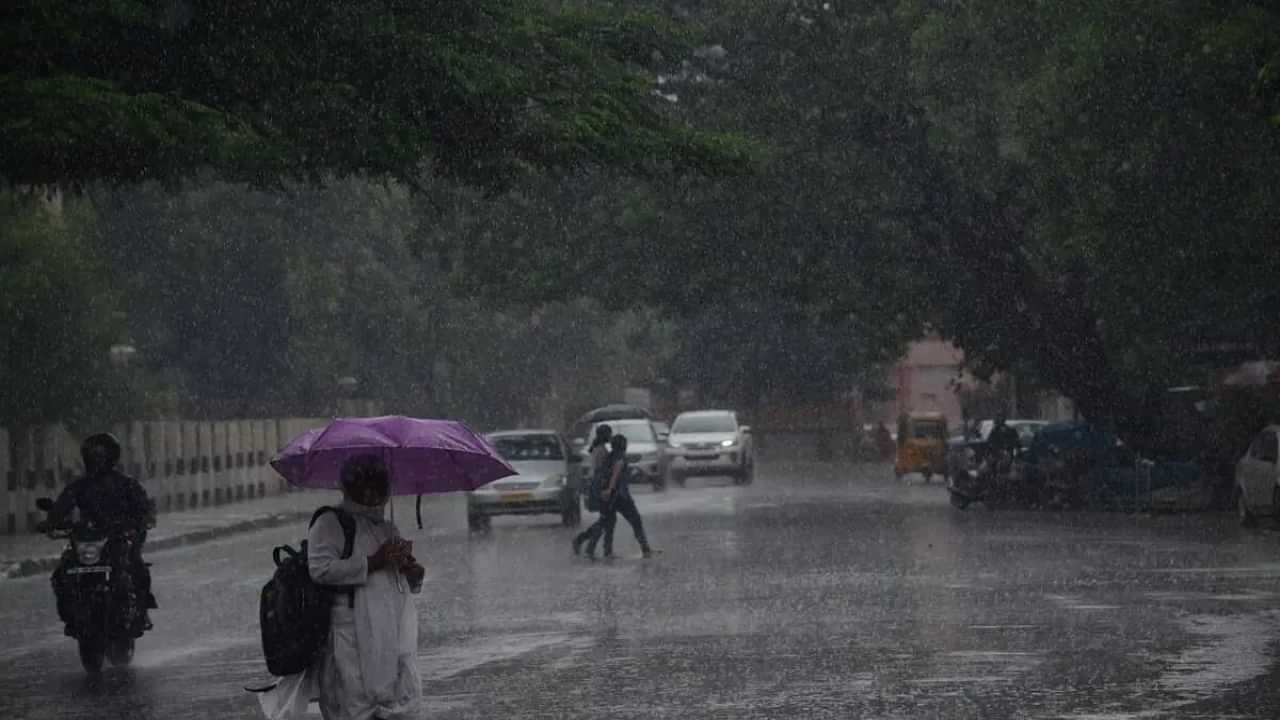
[366, 667]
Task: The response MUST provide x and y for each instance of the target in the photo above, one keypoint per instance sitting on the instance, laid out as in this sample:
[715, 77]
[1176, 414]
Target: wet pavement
[818, 592]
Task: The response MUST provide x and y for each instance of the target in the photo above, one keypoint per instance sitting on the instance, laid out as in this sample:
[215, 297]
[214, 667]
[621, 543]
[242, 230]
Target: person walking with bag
[367, 668]
[614, 494]
[599, 454]
[618, 495]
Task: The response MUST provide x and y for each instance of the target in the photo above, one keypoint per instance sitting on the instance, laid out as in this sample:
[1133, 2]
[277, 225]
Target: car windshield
[528, 447]
[635, 431]
[687, 424]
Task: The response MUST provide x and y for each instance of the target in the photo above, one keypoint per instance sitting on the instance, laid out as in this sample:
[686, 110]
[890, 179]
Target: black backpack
[293, 610]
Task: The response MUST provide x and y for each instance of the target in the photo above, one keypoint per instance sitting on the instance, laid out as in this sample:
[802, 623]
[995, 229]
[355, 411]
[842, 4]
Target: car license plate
[516, 497]
[89, 569]
[703, 457]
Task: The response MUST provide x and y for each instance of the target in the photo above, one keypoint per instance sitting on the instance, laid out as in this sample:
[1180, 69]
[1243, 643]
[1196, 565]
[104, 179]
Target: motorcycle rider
[111, 501]
[1002, 439]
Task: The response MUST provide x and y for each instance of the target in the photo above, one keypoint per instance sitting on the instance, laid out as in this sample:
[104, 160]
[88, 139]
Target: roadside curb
[38, 566]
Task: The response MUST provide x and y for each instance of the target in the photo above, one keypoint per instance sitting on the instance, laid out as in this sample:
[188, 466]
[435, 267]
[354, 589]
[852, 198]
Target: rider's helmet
[101, 452]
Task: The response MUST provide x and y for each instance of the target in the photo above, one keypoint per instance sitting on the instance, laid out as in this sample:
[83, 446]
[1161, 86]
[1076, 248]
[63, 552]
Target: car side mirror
[662, 437]
[44, 504]
[745, 429]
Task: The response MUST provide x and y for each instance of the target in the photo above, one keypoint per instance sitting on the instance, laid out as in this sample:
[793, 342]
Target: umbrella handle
[419, 512]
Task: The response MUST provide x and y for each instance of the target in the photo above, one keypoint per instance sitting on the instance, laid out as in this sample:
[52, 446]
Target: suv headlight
[674, 445]
[728, 443]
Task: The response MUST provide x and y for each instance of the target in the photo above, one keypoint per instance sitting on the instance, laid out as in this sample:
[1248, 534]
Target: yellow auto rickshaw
[923, 447]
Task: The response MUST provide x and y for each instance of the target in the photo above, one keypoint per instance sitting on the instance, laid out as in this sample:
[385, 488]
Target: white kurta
[369, 666]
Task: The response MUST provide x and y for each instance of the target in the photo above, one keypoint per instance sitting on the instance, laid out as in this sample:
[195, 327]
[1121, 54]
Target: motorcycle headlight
[89, 553]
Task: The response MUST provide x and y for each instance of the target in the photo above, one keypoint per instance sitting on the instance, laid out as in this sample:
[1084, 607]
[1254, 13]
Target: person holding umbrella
[369, 667]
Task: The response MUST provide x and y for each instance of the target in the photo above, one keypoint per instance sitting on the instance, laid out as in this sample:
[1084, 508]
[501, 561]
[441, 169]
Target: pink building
[927, 380]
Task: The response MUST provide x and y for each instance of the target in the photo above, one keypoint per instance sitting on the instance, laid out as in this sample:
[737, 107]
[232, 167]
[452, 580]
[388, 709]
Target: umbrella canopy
[618, 411]
[424, 456]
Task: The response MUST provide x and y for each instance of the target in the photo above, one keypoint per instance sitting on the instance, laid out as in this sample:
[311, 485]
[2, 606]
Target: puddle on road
[448, 662]
[1074, 603]
[1235, 650]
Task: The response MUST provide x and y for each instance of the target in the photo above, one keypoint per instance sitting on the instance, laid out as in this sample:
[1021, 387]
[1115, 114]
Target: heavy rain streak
[386, 360]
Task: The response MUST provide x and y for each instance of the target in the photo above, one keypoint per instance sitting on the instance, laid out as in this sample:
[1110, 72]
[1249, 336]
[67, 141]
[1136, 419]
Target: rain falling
[563, 359]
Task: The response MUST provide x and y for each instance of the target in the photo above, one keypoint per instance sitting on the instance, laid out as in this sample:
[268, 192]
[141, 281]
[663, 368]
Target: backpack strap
[348, 524]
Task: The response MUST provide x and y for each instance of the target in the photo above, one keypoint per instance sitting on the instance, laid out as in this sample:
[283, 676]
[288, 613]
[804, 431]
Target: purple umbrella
[424, 456]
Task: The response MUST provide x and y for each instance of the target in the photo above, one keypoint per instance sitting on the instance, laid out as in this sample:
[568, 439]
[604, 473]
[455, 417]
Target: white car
[710, 442]
[545, 483]
[1258, 477]
[1027, 429]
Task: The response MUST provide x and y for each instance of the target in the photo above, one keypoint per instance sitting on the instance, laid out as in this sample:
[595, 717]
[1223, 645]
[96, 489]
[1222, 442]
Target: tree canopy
[477, 90]
[1082, 191]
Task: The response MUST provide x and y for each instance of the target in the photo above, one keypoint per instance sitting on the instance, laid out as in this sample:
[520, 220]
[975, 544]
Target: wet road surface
[818, 592]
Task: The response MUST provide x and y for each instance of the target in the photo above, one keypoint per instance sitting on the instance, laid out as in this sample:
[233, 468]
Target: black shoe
[577, 544]
[647, 552]
[609, 555]
[590, 551]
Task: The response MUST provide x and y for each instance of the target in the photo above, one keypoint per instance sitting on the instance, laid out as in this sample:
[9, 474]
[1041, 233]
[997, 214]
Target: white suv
[709, 442]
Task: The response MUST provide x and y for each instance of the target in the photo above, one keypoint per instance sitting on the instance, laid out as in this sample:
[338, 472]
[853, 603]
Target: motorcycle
[108, 612]
[996, 481]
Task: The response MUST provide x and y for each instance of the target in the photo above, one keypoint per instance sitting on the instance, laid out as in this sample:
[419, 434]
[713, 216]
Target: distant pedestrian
[618, 495]
[599, 450]
[615, 499]
[599, 453]
[884, 441]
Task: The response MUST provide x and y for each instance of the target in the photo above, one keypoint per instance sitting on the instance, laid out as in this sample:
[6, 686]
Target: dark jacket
[1003, 438]
[109, 500]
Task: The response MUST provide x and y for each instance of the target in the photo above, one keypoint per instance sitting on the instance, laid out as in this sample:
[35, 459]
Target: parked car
[1257, 485]
[710, 442]
[545, 484]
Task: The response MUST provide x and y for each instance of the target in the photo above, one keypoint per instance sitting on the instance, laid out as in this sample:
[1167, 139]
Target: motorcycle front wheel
[92, 651]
